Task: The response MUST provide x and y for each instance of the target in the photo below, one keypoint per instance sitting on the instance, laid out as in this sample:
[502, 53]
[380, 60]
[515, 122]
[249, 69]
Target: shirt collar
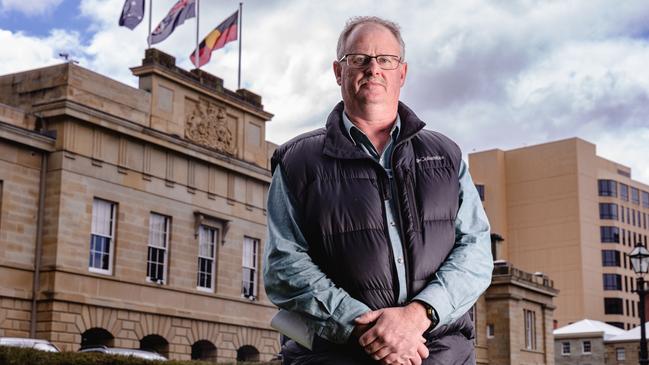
[394, 132]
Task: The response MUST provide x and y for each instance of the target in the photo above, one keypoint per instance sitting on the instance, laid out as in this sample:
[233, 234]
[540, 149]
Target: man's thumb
[368, 317]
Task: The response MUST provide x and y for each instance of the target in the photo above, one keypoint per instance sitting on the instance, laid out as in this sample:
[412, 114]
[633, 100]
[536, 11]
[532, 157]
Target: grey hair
[353, 22]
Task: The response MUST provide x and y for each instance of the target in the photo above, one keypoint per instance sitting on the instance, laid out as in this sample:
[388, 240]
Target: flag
[183, 9]
[222, 34]
[132, 13]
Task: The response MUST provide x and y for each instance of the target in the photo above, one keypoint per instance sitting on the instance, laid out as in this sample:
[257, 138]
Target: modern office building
[566, 212]
[134, 217]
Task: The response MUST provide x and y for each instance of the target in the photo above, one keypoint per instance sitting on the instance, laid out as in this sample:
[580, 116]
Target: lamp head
[639, 259]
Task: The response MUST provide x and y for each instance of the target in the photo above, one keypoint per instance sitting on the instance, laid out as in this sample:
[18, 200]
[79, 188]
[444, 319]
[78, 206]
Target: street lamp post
[640, 264]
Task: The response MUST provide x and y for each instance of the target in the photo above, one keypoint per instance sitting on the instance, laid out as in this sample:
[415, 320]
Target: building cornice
[62, 108]
[26, 137]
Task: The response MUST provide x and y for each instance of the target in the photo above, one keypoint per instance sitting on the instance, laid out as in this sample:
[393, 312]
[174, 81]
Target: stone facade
[503, 336]
[579, 353]
[622, 353]
[180, 147]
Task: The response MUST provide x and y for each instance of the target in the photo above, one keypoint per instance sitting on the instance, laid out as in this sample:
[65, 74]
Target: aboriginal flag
[222, 34]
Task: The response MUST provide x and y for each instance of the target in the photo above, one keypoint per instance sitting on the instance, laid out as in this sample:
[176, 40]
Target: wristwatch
[431, 313]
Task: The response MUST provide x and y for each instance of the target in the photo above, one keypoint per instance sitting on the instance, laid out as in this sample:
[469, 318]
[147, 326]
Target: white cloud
[32, 7]
[24, 52]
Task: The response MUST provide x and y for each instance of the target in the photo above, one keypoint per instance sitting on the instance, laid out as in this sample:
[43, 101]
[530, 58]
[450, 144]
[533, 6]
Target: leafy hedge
[24, 356]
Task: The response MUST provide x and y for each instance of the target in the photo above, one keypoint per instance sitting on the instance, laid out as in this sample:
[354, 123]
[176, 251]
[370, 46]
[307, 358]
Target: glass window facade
[480, 189]
[611, 258]
[608, 211]
[614, 306]
[624, 192]
[635, 195]
[607, 187]
[645, 199]
[610, 234]
[612, 281]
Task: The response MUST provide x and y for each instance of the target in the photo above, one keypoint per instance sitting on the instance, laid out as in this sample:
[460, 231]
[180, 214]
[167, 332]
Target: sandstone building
[134, 217]
[564, 211]
[513, 318]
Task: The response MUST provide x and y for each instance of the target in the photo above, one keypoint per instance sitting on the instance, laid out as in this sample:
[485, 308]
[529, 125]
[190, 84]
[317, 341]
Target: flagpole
[148, 36]
[198, 15]
[240, 32]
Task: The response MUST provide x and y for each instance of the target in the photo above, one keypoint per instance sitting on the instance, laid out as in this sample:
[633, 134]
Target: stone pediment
[207, 124]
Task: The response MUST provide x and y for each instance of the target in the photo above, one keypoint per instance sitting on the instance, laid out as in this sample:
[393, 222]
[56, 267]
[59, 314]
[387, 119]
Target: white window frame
[95, 230]
[250, 263]
[202, 230]
[564, 346]
[620, 354]
[154, 245]
[530, 329]
[583, 347]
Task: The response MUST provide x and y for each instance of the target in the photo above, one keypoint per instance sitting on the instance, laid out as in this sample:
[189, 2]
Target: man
[377, 237]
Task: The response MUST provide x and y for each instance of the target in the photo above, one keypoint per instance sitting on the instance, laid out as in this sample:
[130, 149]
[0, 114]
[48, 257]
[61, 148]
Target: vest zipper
[406, 262]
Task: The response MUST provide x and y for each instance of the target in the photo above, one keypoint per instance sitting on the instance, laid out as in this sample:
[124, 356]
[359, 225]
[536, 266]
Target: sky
[489, 74]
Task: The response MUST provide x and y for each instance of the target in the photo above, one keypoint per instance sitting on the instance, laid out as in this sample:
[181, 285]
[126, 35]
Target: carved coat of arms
[207, 126]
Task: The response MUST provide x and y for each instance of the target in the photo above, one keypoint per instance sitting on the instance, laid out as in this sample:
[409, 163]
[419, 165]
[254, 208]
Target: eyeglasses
[359, 60]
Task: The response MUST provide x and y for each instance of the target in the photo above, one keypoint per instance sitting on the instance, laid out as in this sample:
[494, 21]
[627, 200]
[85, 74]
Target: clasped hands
[394, 335]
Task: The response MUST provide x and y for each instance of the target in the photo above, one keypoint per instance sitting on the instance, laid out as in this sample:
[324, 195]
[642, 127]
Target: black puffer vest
[339, 191]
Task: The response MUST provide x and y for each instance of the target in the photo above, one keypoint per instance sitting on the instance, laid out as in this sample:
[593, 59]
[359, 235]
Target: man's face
[370, 84]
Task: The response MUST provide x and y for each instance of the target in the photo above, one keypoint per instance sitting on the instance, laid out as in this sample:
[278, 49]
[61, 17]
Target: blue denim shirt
[293, 282]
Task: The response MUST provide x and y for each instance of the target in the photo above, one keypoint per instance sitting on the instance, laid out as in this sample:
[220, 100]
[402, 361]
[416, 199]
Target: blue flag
[132, 13]
[183, 9]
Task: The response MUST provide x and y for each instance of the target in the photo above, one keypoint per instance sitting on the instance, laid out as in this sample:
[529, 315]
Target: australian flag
[183, 9]
[132, 13]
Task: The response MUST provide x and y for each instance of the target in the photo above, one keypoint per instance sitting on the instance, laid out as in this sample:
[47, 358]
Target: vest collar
[337, 143]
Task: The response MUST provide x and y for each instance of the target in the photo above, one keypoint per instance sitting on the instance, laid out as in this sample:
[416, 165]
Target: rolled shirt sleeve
[466, 272]
[293, 281]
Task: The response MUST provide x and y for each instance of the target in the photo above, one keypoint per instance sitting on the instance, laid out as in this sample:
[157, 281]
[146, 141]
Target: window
[616, 324]
[565, 348]
[645, 199]
[635, 195]
[633, 216]
[480, 189]
[585, 347]
[613, 306]
[156, 262]
[608, 211]
[624, 236]
[530, 329]
[490, 330]
[207, 238]
[619, 354]
[250, 252]
[624, 192]
[610, 258]
[102, 236]
[610, 234]
[607, 187]
[622, 215]
[612, 281]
